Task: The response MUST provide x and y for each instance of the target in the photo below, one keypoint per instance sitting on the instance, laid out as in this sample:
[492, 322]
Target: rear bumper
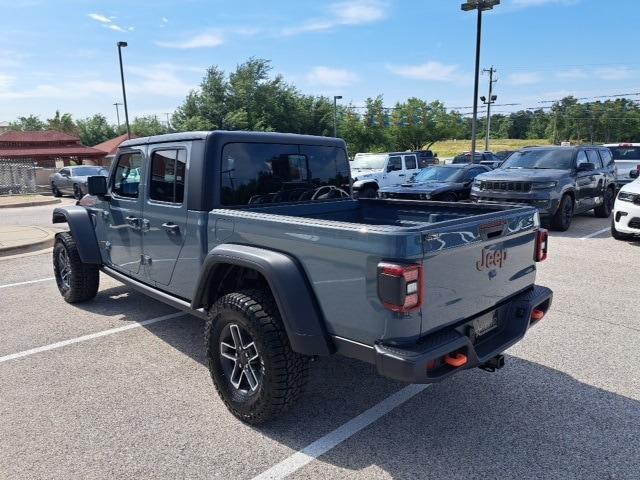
[422, 362]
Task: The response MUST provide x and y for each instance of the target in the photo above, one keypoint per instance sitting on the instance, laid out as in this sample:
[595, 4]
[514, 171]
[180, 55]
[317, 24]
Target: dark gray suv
[559, 181]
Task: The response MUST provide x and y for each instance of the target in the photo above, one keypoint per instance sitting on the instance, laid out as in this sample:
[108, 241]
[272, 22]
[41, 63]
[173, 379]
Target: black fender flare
[299, 309]
[81, 228]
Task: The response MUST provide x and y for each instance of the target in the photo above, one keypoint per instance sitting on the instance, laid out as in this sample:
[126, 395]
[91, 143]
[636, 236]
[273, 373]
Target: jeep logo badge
[491, 259]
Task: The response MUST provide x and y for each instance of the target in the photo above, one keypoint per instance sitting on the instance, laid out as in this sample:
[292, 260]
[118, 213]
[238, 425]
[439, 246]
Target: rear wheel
[369, 192]
[77, 281]
[253, 368]
[604, 210]
[561, 221]
[618, 235]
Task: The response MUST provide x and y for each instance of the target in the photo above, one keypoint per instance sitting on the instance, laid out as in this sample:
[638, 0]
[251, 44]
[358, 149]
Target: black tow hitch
[493, 364]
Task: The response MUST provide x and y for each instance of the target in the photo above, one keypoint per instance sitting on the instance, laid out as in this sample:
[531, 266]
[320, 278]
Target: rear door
[164, 211]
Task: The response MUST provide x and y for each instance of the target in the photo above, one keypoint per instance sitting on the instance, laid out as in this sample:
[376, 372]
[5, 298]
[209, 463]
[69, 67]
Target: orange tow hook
[455, 359]
[537, 314]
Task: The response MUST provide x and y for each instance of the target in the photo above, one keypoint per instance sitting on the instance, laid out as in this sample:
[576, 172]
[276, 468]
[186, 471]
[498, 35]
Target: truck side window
[581, 158]
[167, 176]
[607, 157]
[259, 173]
[410, 162]
[126, 179]
[395, 163]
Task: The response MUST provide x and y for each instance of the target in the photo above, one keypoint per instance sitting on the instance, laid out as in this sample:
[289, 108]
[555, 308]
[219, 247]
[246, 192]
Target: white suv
[627, 158]
[371, 171]
[626, 211]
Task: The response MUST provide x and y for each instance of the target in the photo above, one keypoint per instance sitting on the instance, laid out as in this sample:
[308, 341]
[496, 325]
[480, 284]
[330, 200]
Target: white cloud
[434, 71]
[99, 18]
[528, 78]
[571, 74]
[115, 27]
[162, 79]
[164, 20]
[539, 3]
[203, 40]
[349, 12]
[331, 77]
[614, 73]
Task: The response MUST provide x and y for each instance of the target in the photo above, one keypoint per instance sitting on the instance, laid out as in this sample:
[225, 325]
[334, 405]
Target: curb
[45, 242]
[35, 203]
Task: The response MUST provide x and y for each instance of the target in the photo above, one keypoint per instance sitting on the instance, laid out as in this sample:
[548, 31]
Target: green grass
[451, 148]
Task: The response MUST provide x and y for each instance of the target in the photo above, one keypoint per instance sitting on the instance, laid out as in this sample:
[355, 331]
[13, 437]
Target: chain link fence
[17, 177]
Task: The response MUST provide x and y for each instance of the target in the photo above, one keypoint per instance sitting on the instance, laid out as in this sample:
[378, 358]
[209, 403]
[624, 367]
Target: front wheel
[77, 191]
[604, 210]
[55, 191]
[250, 359]
[77, 281]
[561, 221]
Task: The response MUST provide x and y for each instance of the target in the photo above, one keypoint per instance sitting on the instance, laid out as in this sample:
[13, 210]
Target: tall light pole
[124, 92]
[117, 113]
[335, 114]
[491, 100]
[480, 6]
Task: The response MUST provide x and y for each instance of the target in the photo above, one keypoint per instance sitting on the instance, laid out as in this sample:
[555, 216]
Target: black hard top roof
[558, 147]
[237, 136]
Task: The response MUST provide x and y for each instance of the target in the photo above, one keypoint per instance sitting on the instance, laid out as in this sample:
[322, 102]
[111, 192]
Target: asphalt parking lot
[87, 392]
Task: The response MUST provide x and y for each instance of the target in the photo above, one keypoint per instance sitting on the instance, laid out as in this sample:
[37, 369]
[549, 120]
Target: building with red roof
[47, 148]
[111, 146]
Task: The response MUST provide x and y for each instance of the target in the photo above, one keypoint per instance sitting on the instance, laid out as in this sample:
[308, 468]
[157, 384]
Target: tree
[147, 126]
[32, 123]
[62, 123]
[94, 130]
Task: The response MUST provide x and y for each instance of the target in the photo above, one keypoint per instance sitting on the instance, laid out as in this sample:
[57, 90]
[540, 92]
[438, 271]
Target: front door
[585, 184]
[123, 222]
[395, 174]
[164, 212]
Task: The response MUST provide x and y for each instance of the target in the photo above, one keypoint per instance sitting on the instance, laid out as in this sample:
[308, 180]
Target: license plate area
[485, 324]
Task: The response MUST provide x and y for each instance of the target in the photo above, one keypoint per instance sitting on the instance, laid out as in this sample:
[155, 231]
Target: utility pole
[488, 102]
[168, 123]
[117, 113]
[335, 114]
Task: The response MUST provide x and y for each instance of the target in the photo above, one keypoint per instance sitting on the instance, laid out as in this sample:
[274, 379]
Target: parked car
[627, 159]
[73, 180]
[504, 154]
[559, 181]
[445, 183]
[625, 224]
[421, 290]
[371, 171]
[479, 157]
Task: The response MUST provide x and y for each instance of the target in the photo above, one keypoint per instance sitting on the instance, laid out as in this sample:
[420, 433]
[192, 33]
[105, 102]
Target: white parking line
[84, 338]
[591, 235]
[340, 434]
[27, 283]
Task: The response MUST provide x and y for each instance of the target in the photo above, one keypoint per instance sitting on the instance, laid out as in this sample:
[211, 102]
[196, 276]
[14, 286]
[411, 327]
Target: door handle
[133, 221]
[171, 227]
[401, 175]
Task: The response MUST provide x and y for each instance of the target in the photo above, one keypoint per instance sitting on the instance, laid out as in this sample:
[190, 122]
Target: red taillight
[400, 286]
[542, 243]
[537, 314]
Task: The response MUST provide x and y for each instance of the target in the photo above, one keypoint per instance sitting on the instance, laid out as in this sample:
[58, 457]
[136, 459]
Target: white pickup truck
[627, 158]
[372, 171]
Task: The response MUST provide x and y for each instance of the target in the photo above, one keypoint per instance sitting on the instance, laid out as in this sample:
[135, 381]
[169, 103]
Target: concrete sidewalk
[14, 201]
[16, 239]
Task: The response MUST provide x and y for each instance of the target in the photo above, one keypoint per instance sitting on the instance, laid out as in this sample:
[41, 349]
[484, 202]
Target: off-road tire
[55, 191]
[83, 280]
[604, 210]
[619, 235]
[561, 221]
[284, 372]
[369, 192]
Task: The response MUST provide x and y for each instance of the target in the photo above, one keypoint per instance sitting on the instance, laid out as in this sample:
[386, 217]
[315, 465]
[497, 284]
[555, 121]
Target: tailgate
[469, 268]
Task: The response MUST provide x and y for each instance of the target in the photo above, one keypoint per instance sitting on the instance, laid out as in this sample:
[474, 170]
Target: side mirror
[97, 185]
[586, 167]
[634, 173]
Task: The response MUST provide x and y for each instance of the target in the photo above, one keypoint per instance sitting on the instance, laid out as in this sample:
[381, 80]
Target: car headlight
[543, 185]
[477, 183]
[626, 196]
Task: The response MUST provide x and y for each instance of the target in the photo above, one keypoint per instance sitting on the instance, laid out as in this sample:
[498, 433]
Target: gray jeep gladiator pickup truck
[257, 234]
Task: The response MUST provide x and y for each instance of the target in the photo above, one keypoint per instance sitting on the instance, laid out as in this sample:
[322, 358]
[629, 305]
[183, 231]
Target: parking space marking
[28, 282]
[332, 439]
[591, 235]
[84, 338]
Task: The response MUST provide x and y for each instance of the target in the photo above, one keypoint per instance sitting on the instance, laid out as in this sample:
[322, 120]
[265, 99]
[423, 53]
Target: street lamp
[480, 6]
[335, 114]
[124, 93]
[491, 101]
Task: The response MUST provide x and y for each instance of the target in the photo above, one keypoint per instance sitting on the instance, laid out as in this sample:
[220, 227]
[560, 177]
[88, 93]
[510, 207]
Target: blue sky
[62, 54]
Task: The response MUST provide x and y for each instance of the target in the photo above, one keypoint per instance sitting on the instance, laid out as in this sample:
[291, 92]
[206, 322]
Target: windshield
[369, 161]
[625, 153]
[88, 171]
[545, 159]
[435, 174]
